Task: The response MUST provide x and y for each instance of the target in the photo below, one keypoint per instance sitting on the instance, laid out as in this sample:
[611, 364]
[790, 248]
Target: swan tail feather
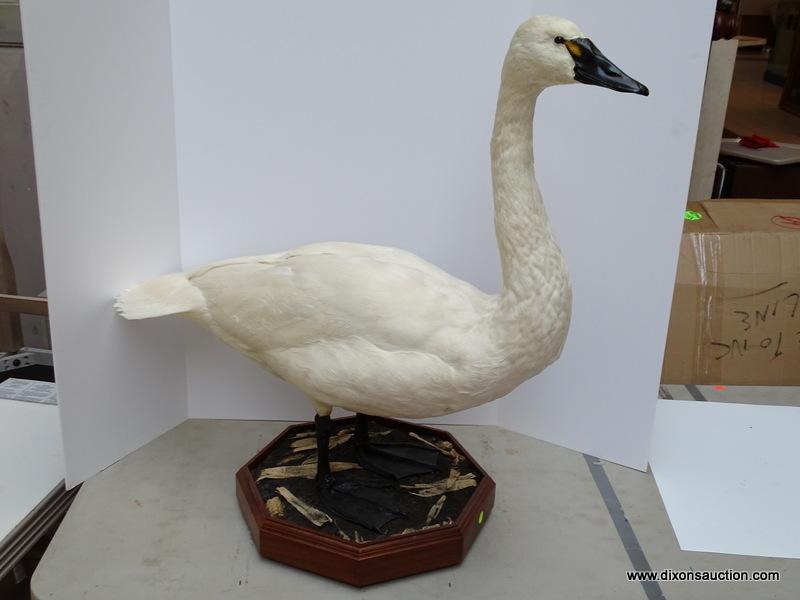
[168, 295]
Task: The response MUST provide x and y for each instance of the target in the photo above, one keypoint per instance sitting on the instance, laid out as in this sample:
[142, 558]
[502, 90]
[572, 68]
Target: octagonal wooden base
[371, 562]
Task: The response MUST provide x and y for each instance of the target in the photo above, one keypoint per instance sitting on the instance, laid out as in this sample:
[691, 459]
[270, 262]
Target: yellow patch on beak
[574, 49]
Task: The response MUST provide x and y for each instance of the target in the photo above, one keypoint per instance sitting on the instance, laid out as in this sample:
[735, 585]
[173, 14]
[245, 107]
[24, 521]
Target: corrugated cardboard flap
[735, 316]
[736, 216]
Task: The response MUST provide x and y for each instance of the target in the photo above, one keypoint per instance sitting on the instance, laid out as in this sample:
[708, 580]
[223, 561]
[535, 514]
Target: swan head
[547, 50]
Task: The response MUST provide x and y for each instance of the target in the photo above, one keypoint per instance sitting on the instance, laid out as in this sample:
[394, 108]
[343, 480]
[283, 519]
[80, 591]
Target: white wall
[370, 121]
[100, 86]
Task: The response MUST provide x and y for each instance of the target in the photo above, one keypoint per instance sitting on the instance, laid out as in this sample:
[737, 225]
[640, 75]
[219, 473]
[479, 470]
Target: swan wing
[325, 292]
[367, 328]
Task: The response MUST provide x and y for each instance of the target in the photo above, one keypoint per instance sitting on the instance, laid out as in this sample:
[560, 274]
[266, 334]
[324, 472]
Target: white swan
[380, 331]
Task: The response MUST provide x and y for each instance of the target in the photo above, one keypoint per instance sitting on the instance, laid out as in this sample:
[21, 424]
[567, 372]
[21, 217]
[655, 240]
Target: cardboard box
[736, 308]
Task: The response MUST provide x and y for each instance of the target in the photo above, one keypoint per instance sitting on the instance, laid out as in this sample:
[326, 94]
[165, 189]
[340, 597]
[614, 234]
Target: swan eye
[559, 40]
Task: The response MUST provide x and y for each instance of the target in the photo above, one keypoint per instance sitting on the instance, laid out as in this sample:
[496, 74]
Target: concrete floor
[164, 523]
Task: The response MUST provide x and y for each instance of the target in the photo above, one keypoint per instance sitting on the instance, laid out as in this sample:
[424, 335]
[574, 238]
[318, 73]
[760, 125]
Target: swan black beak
[592, 67]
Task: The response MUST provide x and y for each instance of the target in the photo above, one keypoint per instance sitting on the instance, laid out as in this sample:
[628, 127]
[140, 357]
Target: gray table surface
[164, 523]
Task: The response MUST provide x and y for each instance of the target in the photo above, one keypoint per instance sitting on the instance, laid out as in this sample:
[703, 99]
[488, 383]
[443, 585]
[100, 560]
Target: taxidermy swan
[380, 331]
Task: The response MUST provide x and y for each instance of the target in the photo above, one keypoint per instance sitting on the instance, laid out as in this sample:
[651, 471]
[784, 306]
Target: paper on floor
[41, 392]
[727, 474]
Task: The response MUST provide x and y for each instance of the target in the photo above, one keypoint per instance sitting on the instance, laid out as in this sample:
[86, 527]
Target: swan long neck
[521, 223]
[534, 304]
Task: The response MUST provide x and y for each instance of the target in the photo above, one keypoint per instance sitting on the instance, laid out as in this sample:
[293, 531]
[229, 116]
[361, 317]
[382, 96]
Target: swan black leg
[348, 500]
[362, 429]
[322, 428]
[392, 459]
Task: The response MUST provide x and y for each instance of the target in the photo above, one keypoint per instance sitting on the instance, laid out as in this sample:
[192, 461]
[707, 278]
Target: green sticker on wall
[692, 215]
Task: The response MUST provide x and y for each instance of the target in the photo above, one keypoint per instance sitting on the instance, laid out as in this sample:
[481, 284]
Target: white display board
[360, 120]
[31, 461]
[728, 476]
[100, 87]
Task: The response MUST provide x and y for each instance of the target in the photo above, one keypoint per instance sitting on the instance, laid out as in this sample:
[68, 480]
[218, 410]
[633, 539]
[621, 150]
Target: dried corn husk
[435, 509]
[290, 458]
[307, 470]
[423, 528]
[341, 532]
[310, 443]
[442, 446]
[316, 516]
[426, 442]
[275, 507]
[453, 483]
[312, 433]
[449, 449]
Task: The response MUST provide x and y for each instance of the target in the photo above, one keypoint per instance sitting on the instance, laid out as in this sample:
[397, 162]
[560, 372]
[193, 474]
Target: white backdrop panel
[31, 460]
[99, 77]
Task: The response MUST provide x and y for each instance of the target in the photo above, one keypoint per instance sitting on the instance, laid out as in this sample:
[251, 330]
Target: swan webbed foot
[357, 503]
[361, 503]
[395, 460]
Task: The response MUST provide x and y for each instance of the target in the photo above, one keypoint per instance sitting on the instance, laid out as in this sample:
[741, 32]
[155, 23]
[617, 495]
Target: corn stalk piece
[316, 516]
[456, 481]
[435, 509]
[306, 470]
